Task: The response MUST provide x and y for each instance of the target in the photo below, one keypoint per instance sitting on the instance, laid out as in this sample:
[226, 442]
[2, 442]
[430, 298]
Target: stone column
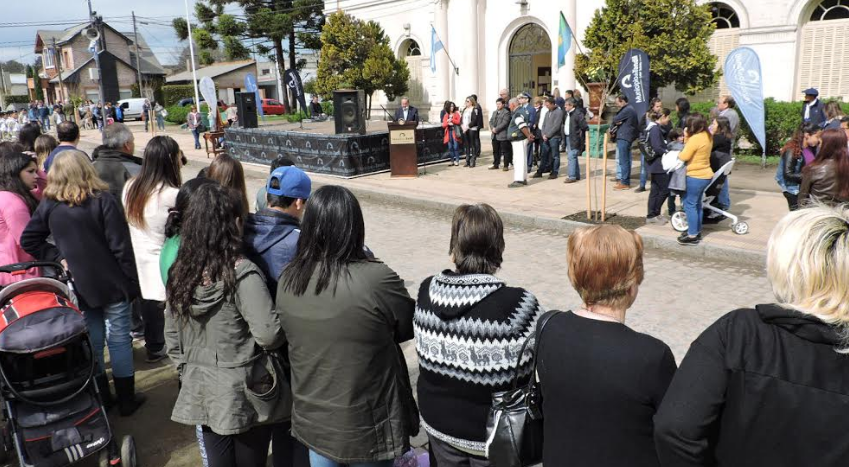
[469, 51]
[443, 66]
[566, 74]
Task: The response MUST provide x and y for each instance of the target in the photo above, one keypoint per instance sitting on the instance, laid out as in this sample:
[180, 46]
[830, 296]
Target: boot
[474, 161]
[128, 400]
[106, 396]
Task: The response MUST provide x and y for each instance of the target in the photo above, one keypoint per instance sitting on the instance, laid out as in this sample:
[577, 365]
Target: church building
[495, 44]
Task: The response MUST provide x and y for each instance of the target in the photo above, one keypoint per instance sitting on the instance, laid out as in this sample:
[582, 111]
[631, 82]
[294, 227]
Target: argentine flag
[435, 46]
[564, 41]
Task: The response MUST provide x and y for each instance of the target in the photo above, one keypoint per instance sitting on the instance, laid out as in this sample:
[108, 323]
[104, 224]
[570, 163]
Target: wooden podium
[403, 150]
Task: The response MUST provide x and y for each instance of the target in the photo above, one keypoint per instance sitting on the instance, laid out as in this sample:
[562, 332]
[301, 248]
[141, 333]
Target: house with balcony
[69, 68]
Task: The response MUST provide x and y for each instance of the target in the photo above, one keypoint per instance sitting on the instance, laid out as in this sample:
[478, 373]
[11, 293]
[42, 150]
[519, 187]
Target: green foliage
[172, 93]
[356, 54]
[177, 114]
[674, 34]
[327, 107]
[782, 119]
[17, 99]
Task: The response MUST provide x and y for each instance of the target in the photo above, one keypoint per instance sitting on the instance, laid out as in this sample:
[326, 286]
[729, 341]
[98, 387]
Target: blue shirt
[49, 161]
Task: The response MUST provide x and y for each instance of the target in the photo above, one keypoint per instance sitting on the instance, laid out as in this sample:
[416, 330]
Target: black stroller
[52, 411]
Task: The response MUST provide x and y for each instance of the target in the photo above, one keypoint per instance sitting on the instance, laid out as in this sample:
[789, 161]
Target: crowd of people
[285, 328]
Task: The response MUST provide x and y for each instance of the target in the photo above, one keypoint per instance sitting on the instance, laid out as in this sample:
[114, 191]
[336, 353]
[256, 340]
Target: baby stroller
[679, 219]
[52, 411]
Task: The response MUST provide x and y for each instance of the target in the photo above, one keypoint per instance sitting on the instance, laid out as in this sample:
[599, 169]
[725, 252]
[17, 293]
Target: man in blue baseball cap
[271, 235]
[813, 111]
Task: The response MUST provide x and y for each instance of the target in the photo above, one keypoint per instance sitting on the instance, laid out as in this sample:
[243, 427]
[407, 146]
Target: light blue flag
[435, 46]
[250, 86]
[564, 41]
[744, 79]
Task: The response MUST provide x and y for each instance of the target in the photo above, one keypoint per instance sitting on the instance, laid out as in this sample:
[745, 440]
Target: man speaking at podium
[406, 112]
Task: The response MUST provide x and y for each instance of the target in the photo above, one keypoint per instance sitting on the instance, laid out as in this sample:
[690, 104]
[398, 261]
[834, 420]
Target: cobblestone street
[677, 300]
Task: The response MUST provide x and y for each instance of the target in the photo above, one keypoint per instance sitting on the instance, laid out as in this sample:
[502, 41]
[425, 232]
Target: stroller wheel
[128, 452]
[741, 228]
[679, 221]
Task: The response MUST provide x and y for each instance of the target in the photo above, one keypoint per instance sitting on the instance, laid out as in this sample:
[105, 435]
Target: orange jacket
[455, 118]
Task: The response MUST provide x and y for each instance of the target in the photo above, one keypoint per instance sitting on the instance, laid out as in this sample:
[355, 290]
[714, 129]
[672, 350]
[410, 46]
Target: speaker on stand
[246, 107]
[349, 107]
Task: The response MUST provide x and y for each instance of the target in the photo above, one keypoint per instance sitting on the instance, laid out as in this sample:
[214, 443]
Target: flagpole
[456, 69]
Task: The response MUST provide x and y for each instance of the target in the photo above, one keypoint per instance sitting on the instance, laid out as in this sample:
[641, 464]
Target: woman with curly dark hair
[219, 327]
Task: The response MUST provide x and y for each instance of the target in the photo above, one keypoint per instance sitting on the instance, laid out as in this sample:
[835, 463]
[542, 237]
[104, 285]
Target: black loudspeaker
[349, 111]
[246, 106]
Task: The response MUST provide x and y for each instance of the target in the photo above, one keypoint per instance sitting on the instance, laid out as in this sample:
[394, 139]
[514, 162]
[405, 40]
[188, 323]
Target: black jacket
[762, 387]
[792, 168]
[94, 238]
[577, 129]
[658, 145]
[628, 126]
[115, 168]
[817, 113]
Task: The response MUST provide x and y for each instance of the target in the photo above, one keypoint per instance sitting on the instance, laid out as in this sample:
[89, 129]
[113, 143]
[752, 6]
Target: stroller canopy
[37, 314]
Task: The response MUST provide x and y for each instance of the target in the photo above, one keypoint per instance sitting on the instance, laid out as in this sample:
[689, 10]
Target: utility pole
[58, 63]
[94, 22]
[192, 54]
[138, 63]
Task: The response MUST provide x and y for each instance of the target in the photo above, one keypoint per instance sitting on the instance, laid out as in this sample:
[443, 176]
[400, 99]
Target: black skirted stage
[316, 149]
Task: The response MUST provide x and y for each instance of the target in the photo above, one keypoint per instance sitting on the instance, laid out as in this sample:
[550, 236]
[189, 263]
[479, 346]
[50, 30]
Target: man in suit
[626, 123]
[406, 112]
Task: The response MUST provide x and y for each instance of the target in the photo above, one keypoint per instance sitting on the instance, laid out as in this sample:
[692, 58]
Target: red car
[273, 107]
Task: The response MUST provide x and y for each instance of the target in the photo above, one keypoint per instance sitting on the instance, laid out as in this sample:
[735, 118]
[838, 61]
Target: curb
[566, 227]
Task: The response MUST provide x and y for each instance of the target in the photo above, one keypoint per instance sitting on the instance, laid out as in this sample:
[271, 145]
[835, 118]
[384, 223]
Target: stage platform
[316, 148]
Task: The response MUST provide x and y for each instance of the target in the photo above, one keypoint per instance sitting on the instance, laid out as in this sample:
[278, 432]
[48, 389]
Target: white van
[132, 108]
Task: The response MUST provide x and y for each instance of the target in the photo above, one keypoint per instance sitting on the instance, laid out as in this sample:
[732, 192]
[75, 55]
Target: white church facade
[512, 44]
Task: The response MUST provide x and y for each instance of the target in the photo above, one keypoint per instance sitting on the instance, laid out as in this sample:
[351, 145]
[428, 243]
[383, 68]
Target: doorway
[529, 61]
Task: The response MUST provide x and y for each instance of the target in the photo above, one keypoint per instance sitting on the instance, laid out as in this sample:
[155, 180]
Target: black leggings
[249, 449]
[792, 200]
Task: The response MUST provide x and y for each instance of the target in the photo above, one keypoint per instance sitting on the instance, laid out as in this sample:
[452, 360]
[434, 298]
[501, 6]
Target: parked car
[132, 108]
[273, 107]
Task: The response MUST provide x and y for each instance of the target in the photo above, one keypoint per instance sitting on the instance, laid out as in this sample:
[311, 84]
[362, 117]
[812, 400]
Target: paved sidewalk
[544, 203]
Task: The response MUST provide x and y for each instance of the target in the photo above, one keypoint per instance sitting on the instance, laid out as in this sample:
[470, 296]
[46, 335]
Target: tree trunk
[293, 64]
[368, 106]
[281, 66]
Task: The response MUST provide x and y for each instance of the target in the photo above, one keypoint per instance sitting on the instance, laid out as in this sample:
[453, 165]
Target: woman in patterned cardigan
[469, 329]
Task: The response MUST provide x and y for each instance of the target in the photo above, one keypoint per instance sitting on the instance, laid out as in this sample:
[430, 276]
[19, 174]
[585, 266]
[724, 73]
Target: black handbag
[514, 430]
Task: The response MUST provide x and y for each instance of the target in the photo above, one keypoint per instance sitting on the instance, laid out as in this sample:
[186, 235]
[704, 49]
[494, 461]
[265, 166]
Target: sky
[18, 43]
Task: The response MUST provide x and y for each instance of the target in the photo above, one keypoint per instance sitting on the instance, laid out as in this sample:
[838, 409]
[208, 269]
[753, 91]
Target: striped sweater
[469, 331]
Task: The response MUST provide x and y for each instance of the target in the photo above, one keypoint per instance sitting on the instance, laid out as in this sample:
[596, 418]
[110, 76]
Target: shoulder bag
[514, 430]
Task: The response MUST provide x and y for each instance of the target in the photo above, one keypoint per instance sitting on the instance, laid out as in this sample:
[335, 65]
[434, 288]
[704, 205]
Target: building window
[125, 94]
[66, 59]
[413, 49]
[723, 16]
[831, 9]
[48, 58]
[266, 72]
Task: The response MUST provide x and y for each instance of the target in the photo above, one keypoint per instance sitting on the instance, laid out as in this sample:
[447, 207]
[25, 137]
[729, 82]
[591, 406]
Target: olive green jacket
[351, 392]
[228, 382]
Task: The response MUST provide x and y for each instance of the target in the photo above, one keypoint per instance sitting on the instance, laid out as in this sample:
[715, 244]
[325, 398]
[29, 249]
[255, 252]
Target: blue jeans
[643, 172]
[160, 122]
[573, 167]
[45, 123]
[112, 325]
[196, 134]
[724, 198]
[531, 147]
[693, 204]
[317, 460]
[550, 157]
[454, 149]
[623, 156]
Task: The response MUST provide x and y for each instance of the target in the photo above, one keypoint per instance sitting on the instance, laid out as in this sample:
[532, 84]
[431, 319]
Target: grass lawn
[751, 159]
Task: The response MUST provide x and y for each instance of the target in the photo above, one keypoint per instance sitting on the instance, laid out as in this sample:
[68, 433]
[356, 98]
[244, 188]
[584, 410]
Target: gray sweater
[552, 127]
[498, 124]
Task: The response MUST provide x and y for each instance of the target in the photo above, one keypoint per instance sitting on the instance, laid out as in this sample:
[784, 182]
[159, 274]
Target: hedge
[17, 99]
[782, 119]
[172, 93]
[327, 107]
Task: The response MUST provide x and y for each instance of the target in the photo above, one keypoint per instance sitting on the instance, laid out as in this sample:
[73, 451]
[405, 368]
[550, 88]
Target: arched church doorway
[529, 61]
[824, 48]
[412, 53]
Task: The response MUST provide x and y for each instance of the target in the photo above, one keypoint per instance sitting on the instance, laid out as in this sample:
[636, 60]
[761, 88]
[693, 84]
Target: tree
[13, 66]
[674, 34]
[32, 72]
[356, 54]
[297, 23]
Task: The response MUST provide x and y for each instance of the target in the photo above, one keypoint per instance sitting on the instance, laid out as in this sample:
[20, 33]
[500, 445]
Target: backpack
[645, 145]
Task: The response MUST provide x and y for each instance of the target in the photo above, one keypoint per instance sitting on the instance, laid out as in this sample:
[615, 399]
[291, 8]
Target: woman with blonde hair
[44, 145]
[770, 385]
[601, 381]
[471, 131]
[92, 240]
[833, 113]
